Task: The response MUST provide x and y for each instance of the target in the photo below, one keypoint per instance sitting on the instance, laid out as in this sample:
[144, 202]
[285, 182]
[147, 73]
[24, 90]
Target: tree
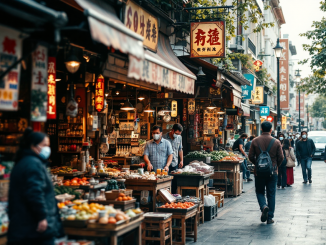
[318, 108]
[317, 49]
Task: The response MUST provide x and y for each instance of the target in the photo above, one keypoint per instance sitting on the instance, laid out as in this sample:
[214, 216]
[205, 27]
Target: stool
[200, 191]
[164, 227]
[200, 214]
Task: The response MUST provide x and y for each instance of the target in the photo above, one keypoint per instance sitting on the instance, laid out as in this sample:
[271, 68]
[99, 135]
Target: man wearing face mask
[174, 137]
[33, 212]
[305, 152]
[158, 152]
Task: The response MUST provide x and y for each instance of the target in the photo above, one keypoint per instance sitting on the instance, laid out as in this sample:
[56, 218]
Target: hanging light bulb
[166, 108]
[149, 108]
[127, 106]
[72, 63]
[211, 106]
[141, 96]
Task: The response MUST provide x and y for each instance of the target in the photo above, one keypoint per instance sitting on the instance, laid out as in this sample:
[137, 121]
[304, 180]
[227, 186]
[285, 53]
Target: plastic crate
[210, 212]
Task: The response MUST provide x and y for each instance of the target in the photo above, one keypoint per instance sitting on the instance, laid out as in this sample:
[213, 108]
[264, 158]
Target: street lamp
[298, 77]
[278, 53]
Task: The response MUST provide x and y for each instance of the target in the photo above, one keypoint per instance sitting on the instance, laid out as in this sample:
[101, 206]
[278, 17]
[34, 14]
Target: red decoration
[9, 45]
[52, 108]
[99, 93]
[270, 119]
[258, 64]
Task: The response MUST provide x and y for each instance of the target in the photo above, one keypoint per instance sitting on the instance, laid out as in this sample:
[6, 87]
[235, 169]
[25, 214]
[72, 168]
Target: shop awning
[106, 28]
[163, 68]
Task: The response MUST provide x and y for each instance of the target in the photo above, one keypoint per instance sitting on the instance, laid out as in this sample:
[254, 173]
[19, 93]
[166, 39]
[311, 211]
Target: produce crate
[219, 175]
[210, 212]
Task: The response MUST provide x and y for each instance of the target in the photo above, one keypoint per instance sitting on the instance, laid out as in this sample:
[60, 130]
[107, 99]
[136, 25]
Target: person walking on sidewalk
[305, 152]
[32, 208]
[290, 162]
[247, 146]
[281, 137]
[282, 169]
[239, 146]
[266, 181]
[297, 139]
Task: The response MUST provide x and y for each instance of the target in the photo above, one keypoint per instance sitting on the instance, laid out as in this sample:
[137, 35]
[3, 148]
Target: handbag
[290, 162]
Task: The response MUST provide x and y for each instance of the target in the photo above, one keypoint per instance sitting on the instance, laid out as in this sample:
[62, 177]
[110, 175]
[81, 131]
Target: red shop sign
[270, 119]
[99, 93]
[52, 108]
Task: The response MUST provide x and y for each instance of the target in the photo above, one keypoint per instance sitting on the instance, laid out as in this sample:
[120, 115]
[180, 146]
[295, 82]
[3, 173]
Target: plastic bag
[209, 200]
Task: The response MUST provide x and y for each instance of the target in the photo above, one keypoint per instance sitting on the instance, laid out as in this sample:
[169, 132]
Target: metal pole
[299, 112]
[278, 96]
[307, 118]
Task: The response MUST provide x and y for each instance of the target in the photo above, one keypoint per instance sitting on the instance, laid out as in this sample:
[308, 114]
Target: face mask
[156, 136]
[304, 136]
[293, 137]
[298, 136]
[290, 137]
[175, 136]
[281, 138]
[45, 152]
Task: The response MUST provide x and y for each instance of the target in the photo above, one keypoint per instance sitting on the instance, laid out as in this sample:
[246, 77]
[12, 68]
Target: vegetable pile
[197, 154]
[64, 189]
[218, 155]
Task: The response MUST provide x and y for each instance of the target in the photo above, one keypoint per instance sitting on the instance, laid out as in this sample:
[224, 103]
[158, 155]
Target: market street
[299, 217]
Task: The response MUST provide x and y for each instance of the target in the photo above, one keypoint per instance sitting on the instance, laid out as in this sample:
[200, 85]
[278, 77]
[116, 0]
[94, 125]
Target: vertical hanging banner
[207, 39]
[10, 52]
[284, 75]
[99, 93]
[39, 88]
[174, 108]
[52, 107]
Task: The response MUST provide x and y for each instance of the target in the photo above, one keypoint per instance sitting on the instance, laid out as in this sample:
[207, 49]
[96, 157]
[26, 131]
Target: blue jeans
[306, 165]
[245, 170]
[263, 183]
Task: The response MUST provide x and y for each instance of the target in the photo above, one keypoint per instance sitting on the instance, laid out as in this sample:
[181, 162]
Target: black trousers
[281, 176]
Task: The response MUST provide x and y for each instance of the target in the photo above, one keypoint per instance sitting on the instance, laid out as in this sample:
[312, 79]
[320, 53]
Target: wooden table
[123, 205]
[233, 166]
[182, 217]
[113, 234]
[149, 185]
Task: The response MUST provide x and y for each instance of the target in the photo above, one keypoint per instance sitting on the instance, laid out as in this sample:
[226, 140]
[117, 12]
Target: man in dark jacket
[305, 152]
[247, 146]
[266, 182]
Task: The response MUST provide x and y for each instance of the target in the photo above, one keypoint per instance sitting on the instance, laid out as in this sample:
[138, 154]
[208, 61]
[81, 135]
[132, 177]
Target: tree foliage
[318, 108]
[316, 82]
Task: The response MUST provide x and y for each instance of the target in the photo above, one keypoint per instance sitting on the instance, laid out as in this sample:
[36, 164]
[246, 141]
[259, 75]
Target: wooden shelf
[70, 143]
[70, 136]
[69, 152]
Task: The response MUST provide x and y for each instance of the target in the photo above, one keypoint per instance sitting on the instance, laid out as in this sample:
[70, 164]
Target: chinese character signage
[39, 88]
[52, 108]
[99, 94]
[247, 89]
[191, 106]
[207, 39]
[302, 103]
[283, 122]
[10, 52]
[258, 64]
[284, 75]
[258, 95]
[264, 111]
[143, 23]
[174, 108]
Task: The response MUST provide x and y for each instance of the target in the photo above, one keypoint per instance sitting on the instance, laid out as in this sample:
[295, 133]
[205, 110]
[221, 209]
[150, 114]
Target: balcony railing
[252, 46]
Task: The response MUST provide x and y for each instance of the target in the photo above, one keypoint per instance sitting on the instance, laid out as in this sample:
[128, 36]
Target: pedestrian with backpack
[267, 155]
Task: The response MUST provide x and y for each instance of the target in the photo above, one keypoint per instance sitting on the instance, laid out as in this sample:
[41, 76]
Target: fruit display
[63, 170]
[63, 204]
[112, 185]
[232, 159]
[122, 197]
[87, 211]
[76, 182]
[59, 190]
[180, 205]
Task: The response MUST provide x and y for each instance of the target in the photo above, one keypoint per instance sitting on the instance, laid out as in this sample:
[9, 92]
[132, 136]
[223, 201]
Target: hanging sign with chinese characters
[143, 23]
[99, 93]
[10, 52]
[52, 108]
[247, 89]
[258, 64]
[284, 75]
[174, 108]
[39, 88]
[270, 119]
[191, 106]
[264, 111]
[207, 39]
[284, 122]
[259, 95]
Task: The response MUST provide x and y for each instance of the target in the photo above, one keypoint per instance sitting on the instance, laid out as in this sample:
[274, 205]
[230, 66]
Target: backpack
[264, 164]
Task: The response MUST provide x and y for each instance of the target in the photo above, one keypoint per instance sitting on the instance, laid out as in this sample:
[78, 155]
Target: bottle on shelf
[118, 151]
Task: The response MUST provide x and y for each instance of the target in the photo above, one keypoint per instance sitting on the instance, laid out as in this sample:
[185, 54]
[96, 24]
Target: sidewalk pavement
[300, 215]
